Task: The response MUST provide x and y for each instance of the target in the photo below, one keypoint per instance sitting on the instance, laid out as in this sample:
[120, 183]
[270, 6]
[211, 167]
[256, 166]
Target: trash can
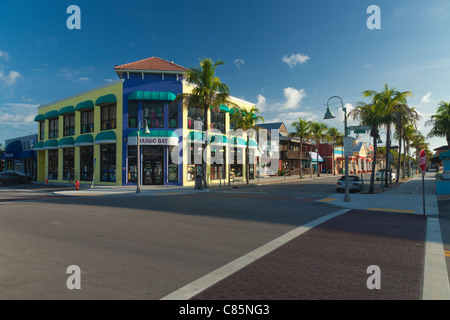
[199, 178]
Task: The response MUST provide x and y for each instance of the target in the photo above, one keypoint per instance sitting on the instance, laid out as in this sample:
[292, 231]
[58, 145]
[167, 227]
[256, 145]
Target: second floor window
[53, 125]
[42, 130]
[108, 114]
[196, 114]
[218, 121]
[132, 114]
[87, 121]
[154, 114]
[69, 125]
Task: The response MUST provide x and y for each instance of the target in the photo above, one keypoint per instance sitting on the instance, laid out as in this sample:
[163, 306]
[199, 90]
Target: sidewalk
[329, 258]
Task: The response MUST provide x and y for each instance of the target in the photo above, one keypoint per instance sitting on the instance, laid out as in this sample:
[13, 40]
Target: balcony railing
[295, 155]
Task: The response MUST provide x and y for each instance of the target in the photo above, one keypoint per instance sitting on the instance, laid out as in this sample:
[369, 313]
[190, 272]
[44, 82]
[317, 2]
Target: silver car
[354, 184]
[380, 174]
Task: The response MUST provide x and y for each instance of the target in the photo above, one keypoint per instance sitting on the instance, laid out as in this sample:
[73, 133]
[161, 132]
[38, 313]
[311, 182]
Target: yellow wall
[117, 90]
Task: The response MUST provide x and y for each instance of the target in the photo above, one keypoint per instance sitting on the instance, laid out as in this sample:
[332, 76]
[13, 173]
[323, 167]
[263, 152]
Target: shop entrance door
[153, 165]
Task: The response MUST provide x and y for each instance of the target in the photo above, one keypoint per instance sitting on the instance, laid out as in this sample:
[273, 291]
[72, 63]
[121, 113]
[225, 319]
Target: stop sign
[423, 161]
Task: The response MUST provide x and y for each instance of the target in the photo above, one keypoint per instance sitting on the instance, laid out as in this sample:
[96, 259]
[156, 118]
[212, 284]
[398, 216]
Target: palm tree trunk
[388, 152]
[374, 163]
[301, 150]
[397, 178]
[247, 166]
[404, 159]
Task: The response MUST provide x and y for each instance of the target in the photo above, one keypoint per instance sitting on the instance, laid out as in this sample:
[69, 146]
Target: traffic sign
[348, 146]
[423, 161]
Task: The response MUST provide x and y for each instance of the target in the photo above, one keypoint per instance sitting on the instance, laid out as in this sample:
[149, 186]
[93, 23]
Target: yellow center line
[391, 210]
[447, 253]
[326, 200]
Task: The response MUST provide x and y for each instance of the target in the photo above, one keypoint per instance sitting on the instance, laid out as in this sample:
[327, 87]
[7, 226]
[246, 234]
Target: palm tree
[334, 135]
[388, 99]
[245, 120]
[440, 122]
[418, 142]
[370, 115]
[402, 116]
[208, 91]
[302, 130]
[318, 130]
[408, 132]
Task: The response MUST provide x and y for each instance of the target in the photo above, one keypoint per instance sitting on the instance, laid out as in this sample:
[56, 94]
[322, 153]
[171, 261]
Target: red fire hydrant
[77, 185]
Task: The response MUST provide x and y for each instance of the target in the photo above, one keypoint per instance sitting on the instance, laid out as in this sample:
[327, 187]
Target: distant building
[19, 155]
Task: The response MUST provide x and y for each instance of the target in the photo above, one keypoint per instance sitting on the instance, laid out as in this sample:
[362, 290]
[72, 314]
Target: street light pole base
[347, 199]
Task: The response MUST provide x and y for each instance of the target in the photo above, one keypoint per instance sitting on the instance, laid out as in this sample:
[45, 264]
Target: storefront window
[196, 114]
[195, 161]
[53, 125]
[173, 115]
[42, 130]
[132, 164]
[68, 163]
[109, 117]
[53, 164]
[87, 121]
[153, 114]
[217, 162]
[218, 121]
[69, 125]
[236, 162]
[173, 167]
[132, 114]
[86, 163]
[108, 163]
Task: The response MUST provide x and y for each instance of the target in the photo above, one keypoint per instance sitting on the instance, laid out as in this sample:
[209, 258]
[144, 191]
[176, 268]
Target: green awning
[67, 142]
[196, 136]
[232, 110]
[39, 146]
[223, 108]
[84, 140]
[51, 114]
[106, 99]
[252, 144]
[218, 139]
[67, 110]
[85, 105]
[238, 142]
[152, 95]
[39, 117]
[51, 144]
[154, 133]
[105, 137]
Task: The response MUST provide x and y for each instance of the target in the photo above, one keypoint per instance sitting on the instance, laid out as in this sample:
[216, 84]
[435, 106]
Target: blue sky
[288, 57]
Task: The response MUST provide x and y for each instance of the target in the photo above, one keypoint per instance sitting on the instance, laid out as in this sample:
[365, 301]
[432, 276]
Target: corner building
[92, 136]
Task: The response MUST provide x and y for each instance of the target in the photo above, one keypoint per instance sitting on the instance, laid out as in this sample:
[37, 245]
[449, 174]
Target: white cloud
[75, 74]
[293, 98]
[426, 98]
[238, 62]
[289, 117]
[4, 55]
[295, 59]
[10, 78]
[18, 113]
[261, 103]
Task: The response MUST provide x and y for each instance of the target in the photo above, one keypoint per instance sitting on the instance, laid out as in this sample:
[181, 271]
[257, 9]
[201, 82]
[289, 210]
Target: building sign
[154, 141]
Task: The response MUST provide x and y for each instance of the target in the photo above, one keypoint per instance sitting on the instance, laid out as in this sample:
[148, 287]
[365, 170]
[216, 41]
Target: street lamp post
[330, 115]
[138, 169]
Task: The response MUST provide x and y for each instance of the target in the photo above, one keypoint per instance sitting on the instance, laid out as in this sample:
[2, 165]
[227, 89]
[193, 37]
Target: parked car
[13, 177]
[354, 184]
[380, 174]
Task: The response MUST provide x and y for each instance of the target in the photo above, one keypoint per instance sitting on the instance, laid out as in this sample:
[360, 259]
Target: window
[42, 130]
[108, 162]
[195, 161]
[53, 125]
[86, 163]
[236, 162]
[173, 166]
[87, 121]
[108, 115]
[68, 163]
[217, 162]
[132, 114]
[218, 121]
[173, 115]
[196, 114]
[132, 164]
[69, 125]
[53, 164]
[154, 114]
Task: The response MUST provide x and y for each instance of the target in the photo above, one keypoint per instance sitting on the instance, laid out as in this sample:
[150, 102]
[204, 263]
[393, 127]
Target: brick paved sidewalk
[330, 261]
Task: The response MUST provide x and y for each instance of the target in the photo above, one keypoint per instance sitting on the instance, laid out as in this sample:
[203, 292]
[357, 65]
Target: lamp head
[329, 114]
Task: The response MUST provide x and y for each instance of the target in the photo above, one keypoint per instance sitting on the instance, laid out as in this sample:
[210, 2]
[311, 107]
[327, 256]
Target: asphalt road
[139, 247]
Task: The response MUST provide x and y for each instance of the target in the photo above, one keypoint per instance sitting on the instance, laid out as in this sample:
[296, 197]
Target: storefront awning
[85, 105]
[313, 157]
[152, 95]
[39, 146]
[105, 137]
[51, 114]
[67, 142]
[51, 144]
[155, 138]
[196, 137]
[232, 110]
[223, 108]
[67, 110]
[218, 140]
[238, 142]
[29, 154]
[106, 99]
[14, 146]
[39, 117]
[84, 140]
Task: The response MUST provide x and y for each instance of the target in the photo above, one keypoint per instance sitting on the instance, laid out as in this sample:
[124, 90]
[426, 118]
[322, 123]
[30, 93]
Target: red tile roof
[153, 63]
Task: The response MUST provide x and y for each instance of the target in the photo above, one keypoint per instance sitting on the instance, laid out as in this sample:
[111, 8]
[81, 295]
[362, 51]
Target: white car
[380, 175]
